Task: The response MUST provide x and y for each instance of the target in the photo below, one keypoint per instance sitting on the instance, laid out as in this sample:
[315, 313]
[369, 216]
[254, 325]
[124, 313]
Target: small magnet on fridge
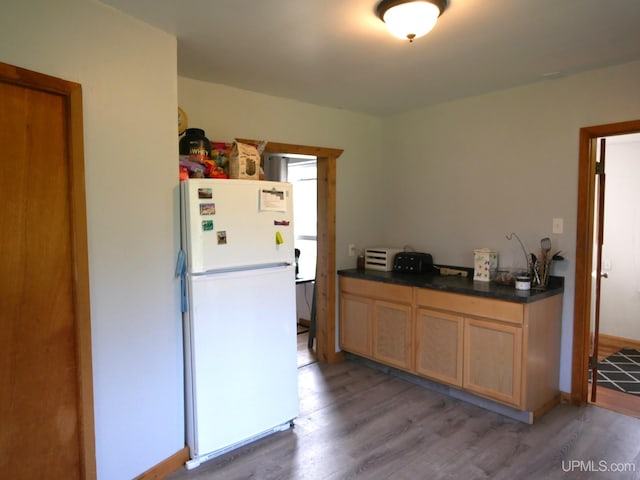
[279, 240]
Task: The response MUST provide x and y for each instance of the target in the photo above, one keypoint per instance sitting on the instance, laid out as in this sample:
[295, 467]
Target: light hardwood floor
[625, 403]
[359, 423]
[620, 402]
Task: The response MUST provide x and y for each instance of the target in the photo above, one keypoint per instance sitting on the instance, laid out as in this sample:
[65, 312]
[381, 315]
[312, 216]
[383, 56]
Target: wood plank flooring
[621, 402]
[625, 403]
[608, 345]
[359, 423]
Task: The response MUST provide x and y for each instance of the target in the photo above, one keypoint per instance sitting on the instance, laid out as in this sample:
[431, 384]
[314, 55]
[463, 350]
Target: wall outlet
[352, 250]
[558, 225]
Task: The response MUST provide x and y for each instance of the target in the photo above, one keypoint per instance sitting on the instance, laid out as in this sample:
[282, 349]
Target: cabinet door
[439, 346]
[355, 324]
[493, 360]
[392, 332]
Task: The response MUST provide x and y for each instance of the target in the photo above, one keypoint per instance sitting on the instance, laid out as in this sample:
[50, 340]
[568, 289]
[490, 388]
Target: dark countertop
[463, 285]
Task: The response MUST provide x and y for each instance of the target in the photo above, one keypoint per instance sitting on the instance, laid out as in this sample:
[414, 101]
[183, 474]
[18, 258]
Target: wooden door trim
[326, 262]
[584, 251]
[72, 94]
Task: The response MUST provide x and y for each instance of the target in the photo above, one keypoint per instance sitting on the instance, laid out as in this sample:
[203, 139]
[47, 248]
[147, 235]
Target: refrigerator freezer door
[242, 376]
[234, 223]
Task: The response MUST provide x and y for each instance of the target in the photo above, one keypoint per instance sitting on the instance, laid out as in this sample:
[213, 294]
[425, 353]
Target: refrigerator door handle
[181, 271]
[260, 266]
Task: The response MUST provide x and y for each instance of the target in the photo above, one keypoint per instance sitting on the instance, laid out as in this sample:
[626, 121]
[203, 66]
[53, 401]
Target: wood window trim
[326, 263]
[584, 251]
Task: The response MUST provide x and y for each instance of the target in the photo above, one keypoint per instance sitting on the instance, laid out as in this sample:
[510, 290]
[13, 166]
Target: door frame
[326, 275]
[71, 93]
[584, 251]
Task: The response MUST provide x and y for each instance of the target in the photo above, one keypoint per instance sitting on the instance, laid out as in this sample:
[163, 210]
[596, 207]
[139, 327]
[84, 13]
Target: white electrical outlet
[352, 250]
[558, 225]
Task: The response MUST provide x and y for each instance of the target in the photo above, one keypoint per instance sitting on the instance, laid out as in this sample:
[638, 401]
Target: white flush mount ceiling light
[410, 18]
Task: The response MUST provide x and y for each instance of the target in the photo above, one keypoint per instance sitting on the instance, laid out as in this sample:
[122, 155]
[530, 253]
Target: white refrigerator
[239, 313]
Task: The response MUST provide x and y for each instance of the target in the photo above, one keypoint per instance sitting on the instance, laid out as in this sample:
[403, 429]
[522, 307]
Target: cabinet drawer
[378, 290]
[470, 305]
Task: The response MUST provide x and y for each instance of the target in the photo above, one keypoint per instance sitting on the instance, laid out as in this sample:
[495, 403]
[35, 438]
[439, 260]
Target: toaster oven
[413, 262]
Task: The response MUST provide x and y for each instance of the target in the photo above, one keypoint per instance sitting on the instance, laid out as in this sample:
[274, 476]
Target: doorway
[586, 298]
[326, 275]
[301, 172]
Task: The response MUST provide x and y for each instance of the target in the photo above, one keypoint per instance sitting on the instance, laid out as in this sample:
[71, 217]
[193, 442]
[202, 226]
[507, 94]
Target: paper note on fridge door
[273, 200]
[228, 226]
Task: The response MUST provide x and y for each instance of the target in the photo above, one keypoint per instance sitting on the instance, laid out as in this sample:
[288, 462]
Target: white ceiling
[337, 53]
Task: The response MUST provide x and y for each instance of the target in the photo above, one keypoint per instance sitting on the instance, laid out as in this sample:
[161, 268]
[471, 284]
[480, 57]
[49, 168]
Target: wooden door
[593, 359]
[584, 251]
[46, 404]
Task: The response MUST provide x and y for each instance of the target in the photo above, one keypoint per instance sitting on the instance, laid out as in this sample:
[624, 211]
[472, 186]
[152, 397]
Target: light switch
[558, 225]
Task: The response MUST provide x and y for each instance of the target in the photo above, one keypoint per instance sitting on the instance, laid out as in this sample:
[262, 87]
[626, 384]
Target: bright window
[304, 177]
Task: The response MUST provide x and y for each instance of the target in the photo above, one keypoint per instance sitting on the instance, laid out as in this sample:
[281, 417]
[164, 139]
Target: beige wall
[449, 178]
[128, 75]
[444, 179]
[470, 171]
[226, 113]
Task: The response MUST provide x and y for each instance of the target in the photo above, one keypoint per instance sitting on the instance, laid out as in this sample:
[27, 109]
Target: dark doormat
[621, 371]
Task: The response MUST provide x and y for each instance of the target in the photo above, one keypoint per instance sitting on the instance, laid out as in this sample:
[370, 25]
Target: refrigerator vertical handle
[181, 271]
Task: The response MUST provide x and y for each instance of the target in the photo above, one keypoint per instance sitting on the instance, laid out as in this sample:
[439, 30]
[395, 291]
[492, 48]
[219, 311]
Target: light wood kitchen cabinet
[507, 351]
[439, 344]
[510, 351]
[376, 321]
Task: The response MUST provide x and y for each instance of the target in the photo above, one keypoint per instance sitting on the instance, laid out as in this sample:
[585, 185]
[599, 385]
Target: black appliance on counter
[413, 262]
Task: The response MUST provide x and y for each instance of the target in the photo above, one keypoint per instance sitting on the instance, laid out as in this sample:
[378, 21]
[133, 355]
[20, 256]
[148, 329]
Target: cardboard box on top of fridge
[244, 162]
